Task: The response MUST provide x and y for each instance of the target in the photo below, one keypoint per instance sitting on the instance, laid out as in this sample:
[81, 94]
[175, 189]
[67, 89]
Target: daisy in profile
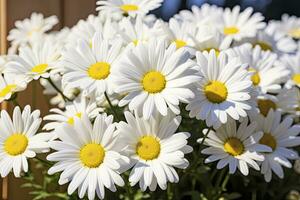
[10, 85]
[89, 69]
[201, 15]
[131, 8]
[223, 91]
[19, 140]
[234, 146]
[293, 63]
[154, 149]
[279, 135]
[34, 62]
[155, 77]
[288, 25]
[30, 29]
[88, 156]
[72, 110]
[236, 25]
[267, 72]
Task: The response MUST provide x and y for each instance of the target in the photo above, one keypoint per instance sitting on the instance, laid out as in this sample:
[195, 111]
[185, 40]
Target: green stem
[205, 136]
[43, 161]
[111, 106]
[58, 90]
[170, 192]
[220, 177]
[225, 181]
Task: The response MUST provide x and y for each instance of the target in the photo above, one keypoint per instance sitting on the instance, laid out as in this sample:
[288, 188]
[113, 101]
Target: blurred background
[69, 12]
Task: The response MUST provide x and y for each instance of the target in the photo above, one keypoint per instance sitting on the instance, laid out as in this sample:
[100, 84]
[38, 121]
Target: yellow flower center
[264, 46]
[92, 155]
[265, 105]
[255, 78]
[216, 50]
[234, 146]
[99, 70]
[135, 42]
[180, 43]
[16, 144]
[295, 33]
[39, 69]
[296, 78]
[71, 119]
[148, 148]
[129, 7]
[231, 30]
[154, 82]
[216, 92]
[8, 89]
[268, 140]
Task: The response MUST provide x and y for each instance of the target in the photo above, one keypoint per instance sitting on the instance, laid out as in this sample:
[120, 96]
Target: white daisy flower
[155, 149]
[289, 25]
[207, 38]
[88, 156]
[3, 61]
[34, 62]
[267, 72]
[9, 85]
[206, 14]
[20, 141]
[235, 147]
[154, 78]
[86, 29]
[134, 31]
[236, 25]
[293, 63]
[178, 32]
[72, 110]
[30, 29]
[270, 39]
[89, 69]
[131, 8]
[279, 135]
[224, 90]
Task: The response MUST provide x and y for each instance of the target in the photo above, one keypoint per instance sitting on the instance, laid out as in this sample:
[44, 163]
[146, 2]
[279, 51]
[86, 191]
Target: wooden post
[3, 50]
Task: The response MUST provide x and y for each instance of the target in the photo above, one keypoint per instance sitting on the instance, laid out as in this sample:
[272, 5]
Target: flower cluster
[224, 67]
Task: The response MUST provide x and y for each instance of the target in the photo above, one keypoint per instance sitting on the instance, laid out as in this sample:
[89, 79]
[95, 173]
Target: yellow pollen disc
[129, 7]
[265, 105]
[99, 70]
[39, 69]
[92, 155]
[296, 78]
[135, 42]
[154, 82]
[8, 89]
[216, 92]
[148, 148]
[295, 33]
[231, 30]
[16, 144]
[234, 146]
[71, 119]
[255, 78]
[264, 46]
[180, 43]
[268, 140]
[216, 50]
